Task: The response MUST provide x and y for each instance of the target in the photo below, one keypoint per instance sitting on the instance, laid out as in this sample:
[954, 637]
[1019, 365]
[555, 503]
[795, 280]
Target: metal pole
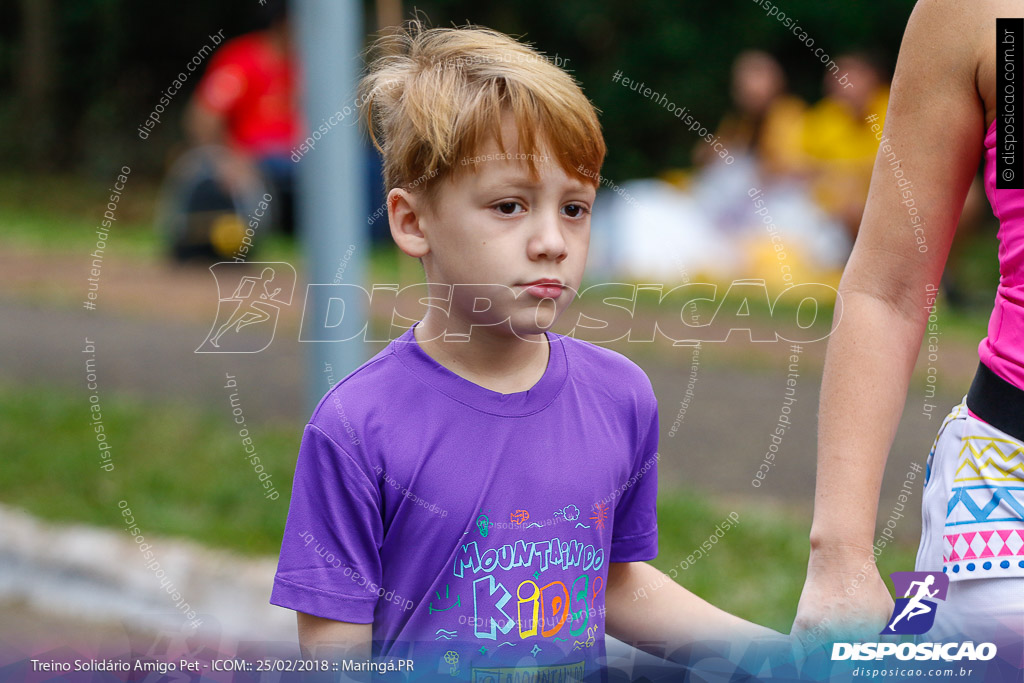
[331, 199]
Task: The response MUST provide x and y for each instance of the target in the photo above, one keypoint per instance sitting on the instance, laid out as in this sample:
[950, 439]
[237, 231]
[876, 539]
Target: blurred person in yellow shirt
[838, 140]
[766, 122]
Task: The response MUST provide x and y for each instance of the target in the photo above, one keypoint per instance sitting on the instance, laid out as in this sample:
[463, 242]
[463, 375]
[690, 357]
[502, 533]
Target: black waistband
[997, 402]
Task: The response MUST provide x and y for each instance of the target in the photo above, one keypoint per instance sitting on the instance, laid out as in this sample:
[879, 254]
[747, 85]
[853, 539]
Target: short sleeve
[635, 528]
[330, 556]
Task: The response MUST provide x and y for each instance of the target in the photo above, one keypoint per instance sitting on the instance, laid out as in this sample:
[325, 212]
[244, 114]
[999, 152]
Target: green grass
[37, 229]
[60, 214]
[757, 569]
[55, 213]
[182, 471]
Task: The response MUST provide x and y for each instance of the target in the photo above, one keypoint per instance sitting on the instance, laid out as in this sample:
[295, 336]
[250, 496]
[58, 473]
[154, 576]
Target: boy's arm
[336, 505]
[670, 615]
[351, 640]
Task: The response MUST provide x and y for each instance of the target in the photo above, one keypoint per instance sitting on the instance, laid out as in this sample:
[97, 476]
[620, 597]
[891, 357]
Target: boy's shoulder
[600, 366]
[351, 400]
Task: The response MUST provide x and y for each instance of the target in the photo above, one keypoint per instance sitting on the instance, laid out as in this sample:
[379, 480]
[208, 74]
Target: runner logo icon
[914, 613]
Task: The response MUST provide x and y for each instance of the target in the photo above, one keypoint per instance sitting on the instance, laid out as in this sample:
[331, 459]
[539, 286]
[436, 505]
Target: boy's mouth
[545, 288]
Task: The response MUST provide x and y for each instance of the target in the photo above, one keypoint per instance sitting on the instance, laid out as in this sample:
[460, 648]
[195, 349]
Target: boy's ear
[406, 212]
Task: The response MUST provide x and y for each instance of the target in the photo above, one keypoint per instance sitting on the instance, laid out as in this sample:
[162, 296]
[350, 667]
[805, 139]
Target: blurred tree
[109, 60]
[35, 83]
[682, 49]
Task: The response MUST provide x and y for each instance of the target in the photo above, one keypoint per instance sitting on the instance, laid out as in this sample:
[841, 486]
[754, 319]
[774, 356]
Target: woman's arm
[928, 154]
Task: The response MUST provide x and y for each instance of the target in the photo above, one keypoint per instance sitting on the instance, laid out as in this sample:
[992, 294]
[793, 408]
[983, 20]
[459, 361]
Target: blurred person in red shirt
[247, 104]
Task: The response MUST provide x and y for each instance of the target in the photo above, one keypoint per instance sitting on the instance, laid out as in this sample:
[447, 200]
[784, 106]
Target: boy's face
[496, 226]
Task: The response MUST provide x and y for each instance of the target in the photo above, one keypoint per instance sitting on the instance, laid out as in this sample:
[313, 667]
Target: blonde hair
[434, 96]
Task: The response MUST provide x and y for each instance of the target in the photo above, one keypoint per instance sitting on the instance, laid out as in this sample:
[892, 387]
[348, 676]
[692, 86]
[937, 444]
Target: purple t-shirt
[472, 528]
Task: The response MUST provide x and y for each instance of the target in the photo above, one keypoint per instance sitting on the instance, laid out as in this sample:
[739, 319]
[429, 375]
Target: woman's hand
[844, 598]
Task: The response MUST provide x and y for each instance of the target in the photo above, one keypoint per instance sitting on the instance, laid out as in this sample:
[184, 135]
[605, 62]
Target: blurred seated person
[247, 103]
[839, 141]
[765, 123]
[762, 134]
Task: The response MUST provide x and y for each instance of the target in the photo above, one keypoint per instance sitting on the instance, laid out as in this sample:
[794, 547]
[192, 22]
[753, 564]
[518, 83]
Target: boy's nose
[548, 240]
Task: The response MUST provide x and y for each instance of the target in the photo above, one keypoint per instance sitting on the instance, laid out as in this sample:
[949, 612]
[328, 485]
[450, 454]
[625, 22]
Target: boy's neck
[499, 361]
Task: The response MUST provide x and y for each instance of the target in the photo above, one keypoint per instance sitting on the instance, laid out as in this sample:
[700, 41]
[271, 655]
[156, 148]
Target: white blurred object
[652, 230]
[726, 193]
[662, 236]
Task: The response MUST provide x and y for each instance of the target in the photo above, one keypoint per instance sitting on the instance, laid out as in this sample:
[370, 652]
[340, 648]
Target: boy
[481, 493]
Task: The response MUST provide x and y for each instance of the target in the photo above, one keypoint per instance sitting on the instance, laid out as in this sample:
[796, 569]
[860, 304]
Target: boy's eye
[508, 208]
[575, 210]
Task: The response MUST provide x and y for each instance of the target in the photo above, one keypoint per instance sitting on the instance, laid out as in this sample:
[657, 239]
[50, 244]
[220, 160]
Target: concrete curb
[99, 575]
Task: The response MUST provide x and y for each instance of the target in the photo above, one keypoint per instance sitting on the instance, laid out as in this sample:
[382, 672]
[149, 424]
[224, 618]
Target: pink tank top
[1003, 349]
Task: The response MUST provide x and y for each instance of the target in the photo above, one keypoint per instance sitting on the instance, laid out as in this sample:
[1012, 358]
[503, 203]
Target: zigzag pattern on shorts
[1003, 498]
[976, 545]
[983, 458]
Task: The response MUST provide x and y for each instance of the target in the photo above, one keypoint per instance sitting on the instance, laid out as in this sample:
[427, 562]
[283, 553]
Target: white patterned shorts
[973, 527]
